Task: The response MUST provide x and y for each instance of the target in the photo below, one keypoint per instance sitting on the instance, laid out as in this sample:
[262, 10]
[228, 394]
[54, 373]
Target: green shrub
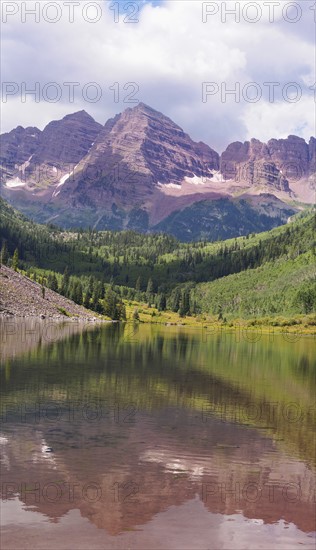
[63, 311]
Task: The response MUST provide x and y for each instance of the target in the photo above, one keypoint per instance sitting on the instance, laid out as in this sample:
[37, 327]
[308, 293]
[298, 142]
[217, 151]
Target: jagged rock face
[136, 150]
[238, 164]
[291, 156]
[16, 148]
[261, 173]
[58, 149]
[276, 163]
[63, 144]
[67, 140]
[169, 153]
[312, 155]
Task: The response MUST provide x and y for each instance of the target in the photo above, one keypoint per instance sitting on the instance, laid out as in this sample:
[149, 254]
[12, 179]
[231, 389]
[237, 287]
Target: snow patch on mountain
[169, 185]
[196, 180]
[15, 182]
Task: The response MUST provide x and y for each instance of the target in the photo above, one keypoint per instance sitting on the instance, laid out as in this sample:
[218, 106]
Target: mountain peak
[144, 107]
[80, 116]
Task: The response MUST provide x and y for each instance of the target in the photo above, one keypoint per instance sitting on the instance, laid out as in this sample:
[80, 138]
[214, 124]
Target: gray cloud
[169, 53]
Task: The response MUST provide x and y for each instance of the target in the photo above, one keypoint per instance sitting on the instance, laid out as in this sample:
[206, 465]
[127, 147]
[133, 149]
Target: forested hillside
[263, 274]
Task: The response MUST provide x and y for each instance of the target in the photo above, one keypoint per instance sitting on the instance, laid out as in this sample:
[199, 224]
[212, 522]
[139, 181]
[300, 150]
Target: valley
[264, 279]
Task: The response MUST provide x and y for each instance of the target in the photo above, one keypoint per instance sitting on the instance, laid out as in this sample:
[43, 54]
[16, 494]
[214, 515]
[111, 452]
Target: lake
[141, 436]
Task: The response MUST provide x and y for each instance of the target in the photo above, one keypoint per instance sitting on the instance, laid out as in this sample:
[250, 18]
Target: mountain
[16, 149]
[38, 159]
[142, 171]
[280, 163]
[147, 146]
[62, 145]
[223, 218]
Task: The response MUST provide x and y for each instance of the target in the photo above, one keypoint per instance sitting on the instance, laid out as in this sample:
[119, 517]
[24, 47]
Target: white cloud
[281, 120]
[168, 53]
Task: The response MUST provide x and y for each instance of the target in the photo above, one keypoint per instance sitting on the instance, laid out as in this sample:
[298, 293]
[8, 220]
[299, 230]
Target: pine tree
[87, 299]
[137, 285]
[193, 307]
[175, 299]
[184, 307]
[161, 302]
[64, 289]
[91, 284]
[113, 306]
[76, 293]
[15, 260]
[97, 296]
[54, 283]
[4, 256]
[121, 311]
[150, 292]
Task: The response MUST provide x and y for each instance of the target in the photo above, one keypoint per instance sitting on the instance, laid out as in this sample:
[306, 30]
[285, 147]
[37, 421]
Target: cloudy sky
[103, 56]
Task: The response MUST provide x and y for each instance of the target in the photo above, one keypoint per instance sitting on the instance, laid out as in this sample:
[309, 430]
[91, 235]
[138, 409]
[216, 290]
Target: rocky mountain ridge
[141, 167]
[275, 163]
[40, 158]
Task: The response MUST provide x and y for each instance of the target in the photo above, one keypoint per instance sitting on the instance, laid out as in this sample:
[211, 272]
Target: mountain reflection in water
[167, 439]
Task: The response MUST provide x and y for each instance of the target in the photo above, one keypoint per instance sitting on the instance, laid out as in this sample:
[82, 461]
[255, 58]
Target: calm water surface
[161, 438]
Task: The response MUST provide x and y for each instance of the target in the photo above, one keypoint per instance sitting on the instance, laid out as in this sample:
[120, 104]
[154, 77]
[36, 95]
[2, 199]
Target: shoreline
[243, 326]
[295, 325]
